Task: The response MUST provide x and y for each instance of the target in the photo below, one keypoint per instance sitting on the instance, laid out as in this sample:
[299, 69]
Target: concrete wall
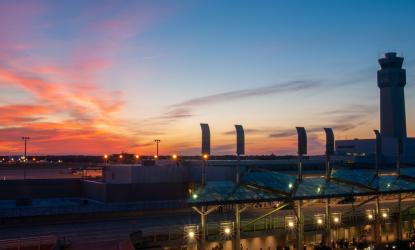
[160, 174]
[94, 190]
[124, 174]
[118, 173]
[42, 189]
[122, 192]
[213, 173]
[146, 192]
[50, 188]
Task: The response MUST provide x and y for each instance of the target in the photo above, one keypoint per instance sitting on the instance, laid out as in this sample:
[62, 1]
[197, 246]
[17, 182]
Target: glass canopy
[265, 186]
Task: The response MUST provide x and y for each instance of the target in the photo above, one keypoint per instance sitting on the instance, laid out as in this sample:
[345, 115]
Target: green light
[389, 185]
[195, 196]
[318, 190]
[290, 185]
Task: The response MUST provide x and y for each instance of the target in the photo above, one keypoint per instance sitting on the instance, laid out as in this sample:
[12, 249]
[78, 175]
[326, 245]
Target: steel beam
[238, 169]
[267, 214]
[204, 172]
[300, 167]
[328, 167]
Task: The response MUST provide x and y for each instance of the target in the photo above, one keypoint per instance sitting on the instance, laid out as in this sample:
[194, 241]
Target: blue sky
[99, 76]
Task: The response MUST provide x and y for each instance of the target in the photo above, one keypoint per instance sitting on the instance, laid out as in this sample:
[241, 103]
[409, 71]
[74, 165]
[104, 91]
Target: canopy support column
[398, 170]
[203, 229]
[328, 223]
[300, 231]
[377, 222]
[237, 227]
[203, 212]
[399, 222]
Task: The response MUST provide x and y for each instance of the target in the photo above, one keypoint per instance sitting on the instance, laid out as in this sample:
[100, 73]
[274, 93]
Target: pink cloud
[71, 110]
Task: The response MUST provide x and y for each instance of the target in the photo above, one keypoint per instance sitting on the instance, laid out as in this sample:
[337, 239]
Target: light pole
[157, 141]
[25, 139]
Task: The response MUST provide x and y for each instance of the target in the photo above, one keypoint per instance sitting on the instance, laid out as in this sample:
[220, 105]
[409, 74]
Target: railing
[38, 241]
[272, 225]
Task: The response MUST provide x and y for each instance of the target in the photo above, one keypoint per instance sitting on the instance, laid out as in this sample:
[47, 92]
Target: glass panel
[283, 183]
[410, 172]
[227, 191]
[319, 187]
[359, 177]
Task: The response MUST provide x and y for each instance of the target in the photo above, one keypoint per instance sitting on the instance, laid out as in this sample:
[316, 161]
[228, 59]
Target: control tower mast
[391, 81]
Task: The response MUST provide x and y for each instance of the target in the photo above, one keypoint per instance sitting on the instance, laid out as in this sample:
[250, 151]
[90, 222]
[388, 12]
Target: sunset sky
[95, 77]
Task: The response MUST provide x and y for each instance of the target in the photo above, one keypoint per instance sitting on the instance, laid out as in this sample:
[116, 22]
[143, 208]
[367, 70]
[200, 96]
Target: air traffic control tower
[391, 81]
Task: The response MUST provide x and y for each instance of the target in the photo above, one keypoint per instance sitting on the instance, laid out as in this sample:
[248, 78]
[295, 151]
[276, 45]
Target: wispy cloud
[185, 109]
[343, 119]
[281, 88]
[250, 131]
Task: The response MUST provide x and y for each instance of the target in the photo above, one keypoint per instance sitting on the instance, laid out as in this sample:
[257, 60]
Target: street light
[370, 214]
[290, 222]
[384, 213]
[25, 139]
[337, 217]
[226, 228]
[157, 141]
[190, 232]
[174, 157]
[137, 157]
[319, 219]
[205, 156]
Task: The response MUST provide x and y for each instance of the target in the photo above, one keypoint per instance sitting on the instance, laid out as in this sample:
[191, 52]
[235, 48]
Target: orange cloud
[17, 114]
[68, 111]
